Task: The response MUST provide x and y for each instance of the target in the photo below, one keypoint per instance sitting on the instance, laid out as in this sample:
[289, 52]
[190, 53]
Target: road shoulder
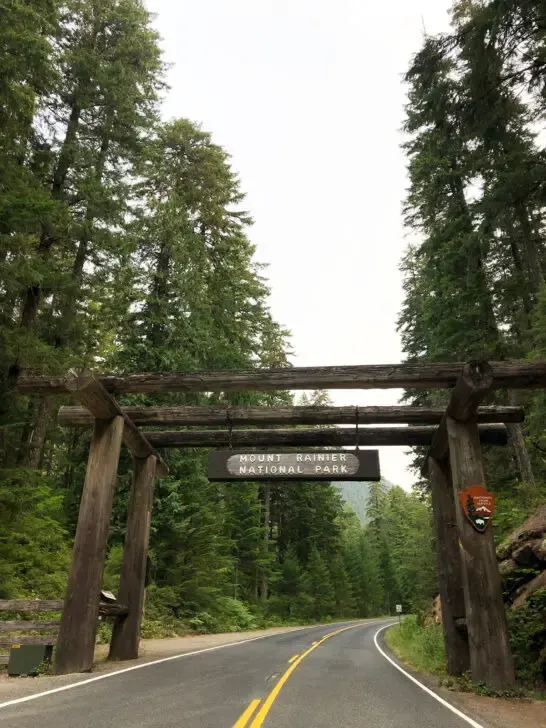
[13, 688]
[490, 712]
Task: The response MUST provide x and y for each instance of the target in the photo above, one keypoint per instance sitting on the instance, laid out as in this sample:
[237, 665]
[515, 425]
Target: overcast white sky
[307, 97]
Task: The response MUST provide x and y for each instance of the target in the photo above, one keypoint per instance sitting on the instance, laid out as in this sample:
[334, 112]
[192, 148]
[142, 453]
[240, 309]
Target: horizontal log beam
[42, 639]
[92, 395]
[27, 626]
[237, 416]
[313, 437]
[113, 609]
[22, 606]
[507, 374]
[31, 605]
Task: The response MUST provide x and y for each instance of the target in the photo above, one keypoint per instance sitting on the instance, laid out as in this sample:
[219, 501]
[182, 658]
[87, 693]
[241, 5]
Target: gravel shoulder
[12, 688]
[500, 713]
[490, 712]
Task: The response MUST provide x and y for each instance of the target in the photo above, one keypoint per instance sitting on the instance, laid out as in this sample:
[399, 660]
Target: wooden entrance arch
[474, 621]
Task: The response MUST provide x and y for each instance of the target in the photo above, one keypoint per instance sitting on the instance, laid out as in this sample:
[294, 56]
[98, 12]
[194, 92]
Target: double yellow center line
[270, 699]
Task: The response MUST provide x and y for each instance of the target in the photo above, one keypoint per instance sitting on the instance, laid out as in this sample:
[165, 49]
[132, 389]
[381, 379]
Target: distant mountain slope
[355, 494]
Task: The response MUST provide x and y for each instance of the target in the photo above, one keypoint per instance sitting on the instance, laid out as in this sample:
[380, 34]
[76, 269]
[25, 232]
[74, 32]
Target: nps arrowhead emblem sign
[478, 506]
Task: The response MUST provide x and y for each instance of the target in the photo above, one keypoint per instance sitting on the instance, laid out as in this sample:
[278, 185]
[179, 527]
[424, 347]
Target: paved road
[313, 678]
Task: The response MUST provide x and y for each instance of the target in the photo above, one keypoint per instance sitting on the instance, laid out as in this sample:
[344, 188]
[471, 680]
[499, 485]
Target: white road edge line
[443, 702]
[70, 686]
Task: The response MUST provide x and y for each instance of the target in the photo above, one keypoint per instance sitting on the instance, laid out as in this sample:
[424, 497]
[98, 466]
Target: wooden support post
[76, 642]
[126, 632]
[490, 657]
[450, 577]
[90, 392]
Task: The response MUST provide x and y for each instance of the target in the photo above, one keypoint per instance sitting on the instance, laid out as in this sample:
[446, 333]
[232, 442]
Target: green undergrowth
[205, 623]
[422, 647]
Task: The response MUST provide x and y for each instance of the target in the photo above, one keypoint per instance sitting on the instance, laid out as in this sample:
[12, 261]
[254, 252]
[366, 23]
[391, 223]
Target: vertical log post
[450, 576]
[490, 656]
[76, 641]
[126, 632]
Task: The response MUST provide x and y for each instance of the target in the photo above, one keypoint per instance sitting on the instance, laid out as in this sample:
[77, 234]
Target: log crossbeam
[102, 406]
[511, 374]
[313, 437]
[184, 416]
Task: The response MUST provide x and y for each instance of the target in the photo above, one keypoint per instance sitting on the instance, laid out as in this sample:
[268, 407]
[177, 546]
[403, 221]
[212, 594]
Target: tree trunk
[69, 309]
[32, 297]
[517, 441]
[476, 256]
[264, 591]
[36, 443]
[20, 455]
[158, 293]
[33, 294]
[532, 257]
[518, 265]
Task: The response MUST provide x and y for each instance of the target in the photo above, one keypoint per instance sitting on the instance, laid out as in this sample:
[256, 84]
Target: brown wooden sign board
[229, 465]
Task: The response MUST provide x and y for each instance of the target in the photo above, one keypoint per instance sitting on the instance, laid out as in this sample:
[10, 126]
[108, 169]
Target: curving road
[317, 677]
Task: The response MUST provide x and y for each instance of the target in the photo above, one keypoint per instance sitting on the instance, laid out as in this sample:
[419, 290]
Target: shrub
[528, 639]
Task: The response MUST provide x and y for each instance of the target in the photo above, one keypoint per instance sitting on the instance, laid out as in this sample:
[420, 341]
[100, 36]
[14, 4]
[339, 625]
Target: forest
[125, 246]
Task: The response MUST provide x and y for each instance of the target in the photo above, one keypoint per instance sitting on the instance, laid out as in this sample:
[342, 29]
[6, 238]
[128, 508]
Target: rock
[531, 529]
[506, 566]
[525, 592]
[525, 555]
[540, 550]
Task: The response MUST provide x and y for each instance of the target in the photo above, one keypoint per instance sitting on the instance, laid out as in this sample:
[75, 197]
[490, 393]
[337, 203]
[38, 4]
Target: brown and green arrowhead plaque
[478, 506]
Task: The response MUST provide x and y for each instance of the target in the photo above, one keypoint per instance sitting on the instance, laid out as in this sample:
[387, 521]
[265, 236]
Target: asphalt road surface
[312, 678]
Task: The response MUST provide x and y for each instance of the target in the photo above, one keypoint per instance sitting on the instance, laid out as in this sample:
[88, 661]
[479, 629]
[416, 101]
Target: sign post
[399, 612]
[326, 465]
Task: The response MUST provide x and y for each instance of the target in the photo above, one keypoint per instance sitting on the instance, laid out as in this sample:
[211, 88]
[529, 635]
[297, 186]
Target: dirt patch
[500, 713]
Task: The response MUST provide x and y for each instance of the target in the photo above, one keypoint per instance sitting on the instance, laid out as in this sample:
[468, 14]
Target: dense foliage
[124, 247]
[474, 273]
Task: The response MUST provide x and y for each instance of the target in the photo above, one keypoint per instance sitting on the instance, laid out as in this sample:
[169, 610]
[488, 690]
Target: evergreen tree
[319, 588]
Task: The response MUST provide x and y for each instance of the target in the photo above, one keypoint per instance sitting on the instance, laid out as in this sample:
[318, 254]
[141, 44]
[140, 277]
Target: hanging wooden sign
[478, 506]
[227, 465]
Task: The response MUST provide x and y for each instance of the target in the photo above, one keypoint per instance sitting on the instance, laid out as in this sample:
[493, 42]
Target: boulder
[507, 566]
[540, 550]
[527, 553]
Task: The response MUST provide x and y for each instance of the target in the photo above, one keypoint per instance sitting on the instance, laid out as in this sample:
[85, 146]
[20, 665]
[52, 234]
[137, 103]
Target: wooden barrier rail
[21, 606]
